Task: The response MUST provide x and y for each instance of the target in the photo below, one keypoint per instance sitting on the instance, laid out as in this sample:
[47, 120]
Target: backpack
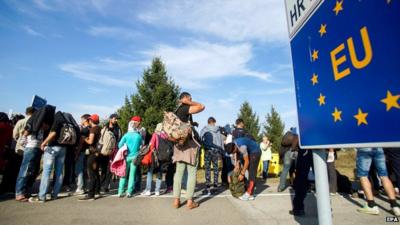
[68, 133]
[107, 142]
[236, 187]
[175, 128]
[165, 151]
[142, 152]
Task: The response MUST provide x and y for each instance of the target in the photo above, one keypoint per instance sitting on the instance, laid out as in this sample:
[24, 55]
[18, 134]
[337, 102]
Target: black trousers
[169, 177]
[332, 175]
[11, 172]
[303, 165]
[138, 179]
[393, 156]
[105, 175]
[69, 167]
[93, 183]
[226, 168]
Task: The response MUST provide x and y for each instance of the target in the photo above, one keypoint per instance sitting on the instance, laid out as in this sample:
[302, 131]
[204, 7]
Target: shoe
[280, 190]
[21, 198]
[206, 191]
[157, 193]
[369, 210]
[146, 193]
[333, 193]
[245, 197]
[121, 195]
[36, 200]
[396, 211]
[215, 186]
[129, 195]
[169, 190]
[296, 212]
[193, 205]
[98, 195]
[79, 192]
[86, 198]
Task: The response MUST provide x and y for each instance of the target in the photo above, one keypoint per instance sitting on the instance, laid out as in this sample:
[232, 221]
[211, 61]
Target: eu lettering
[355, 61]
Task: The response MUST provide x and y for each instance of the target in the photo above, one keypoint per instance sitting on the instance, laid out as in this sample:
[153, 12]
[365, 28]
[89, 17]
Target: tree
[156, 93]
[273, 128]
[250, 119]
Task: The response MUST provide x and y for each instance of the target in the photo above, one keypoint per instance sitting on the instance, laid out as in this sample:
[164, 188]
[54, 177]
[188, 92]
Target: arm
[16, 130]
[49, 138]
[195, 107]
[121, 142]
[89, 140]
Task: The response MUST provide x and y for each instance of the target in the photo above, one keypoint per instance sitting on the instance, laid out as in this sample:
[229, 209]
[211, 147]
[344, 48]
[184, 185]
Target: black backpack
[164, 151]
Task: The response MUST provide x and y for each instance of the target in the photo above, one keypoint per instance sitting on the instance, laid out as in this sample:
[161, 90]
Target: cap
[114, 115]
[136, 118]
[94, 118]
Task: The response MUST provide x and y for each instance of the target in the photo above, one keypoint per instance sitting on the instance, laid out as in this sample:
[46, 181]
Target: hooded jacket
[43, 115]
[212, 138]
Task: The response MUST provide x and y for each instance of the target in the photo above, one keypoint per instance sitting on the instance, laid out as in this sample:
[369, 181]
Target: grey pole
[322, 187]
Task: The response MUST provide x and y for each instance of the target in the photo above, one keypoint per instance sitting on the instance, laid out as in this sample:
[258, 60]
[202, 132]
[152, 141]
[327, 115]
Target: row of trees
[156, 92]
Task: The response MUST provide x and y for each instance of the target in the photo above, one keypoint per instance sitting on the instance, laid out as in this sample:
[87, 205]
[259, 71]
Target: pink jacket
[118, 165]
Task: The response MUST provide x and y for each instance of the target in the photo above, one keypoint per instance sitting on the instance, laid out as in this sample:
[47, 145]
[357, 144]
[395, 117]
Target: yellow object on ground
[274, 167]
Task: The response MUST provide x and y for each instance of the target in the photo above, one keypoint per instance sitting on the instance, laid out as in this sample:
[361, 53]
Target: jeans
[265, 169]
[209, 158]
[365, 156]
[287, 163]
[27, 171]
[80, 171]
[53, 156]
[254, 160]
[191, 184]
[303, 165]
[149, 179]
[130, 176]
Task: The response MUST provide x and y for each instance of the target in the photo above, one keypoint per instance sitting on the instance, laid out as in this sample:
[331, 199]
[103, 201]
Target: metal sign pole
[322, 187]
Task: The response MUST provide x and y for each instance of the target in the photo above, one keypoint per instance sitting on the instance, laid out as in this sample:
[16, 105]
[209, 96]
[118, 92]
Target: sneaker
[36, 200]
[245, 197]
[157, 193]
[121, 195]
[129, 195]
[396, 211]
[98, 195]
[146, 193]
[86, 198]
[79, 192]
[369, 210]
[169, 190]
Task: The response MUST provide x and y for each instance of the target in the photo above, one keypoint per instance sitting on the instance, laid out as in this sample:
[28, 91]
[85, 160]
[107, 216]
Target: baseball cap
[114, 115]
[136, 118]
[94, 118]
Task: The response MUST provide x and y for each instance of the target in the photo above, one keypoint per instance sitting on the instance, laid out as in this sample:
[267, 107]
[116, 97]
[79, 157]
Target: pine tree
[250, 119]
[156, 93]
[273, 128]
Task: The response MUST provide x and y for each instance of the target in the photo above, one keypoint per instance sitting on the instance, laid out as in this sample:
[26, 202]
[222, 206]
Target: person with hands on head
[249, 153]
[185, 156]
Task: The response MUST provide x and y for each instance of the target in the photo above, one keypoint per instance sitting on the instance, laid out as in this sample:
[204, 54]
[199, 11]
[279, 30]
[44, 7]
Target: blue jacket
[252, 146]
[133, 140]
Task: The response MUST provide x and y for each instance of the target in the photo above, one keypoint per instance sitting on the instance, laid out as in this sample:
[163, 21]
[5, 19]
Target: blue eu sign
[346, 61]
[38, 102]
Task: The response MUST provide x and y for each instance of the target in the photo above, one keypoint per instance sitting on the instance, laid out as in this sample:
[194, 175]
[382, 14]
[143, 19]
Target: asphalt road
[268, 208]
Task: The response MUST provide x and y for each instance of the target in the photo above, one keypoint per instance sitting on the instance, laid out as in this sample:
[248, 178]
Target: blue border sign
[346, 61]
[38, 102]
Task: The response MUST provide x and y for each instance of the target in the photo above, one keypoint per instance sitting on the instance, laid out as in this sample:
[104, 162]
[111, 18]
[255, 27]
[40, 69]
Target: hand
[42, 146]
[241, 177]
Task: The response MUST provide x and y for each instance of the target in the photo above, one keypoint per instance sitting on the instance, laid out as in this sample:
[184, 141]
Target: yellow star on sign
[314, 79]
[321, 99]
[337, 115]
[322, 30]
[391, 101]
[338, 7]
[361, 117]
[314, 55]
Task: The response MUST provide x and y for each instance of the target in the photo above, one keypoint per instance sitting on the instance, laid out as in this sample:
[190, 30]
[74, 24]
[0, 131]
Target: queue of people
[102, 154]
